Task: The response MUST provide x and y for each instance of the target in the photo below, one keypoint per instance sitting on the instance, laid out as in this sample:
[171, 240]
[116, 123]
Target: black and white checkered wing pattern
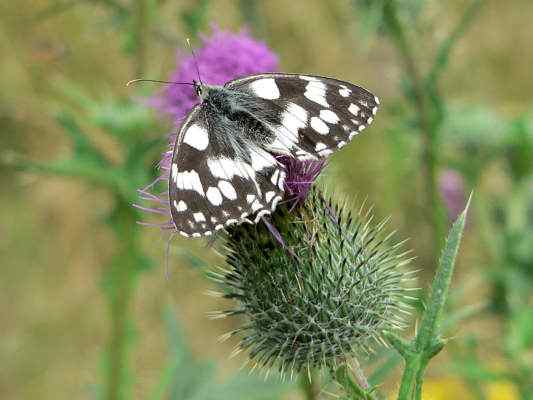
[317, 115]
[216, 181]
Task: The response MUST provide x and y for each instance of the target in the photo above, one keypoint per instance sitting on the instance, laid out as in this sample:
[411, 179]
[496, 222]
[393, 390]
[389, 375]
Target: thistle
[344, 288]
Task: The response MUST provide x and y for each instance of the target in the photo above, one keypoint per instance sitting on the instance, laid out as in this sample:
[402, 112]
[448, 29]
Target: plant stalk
[119, 284]
[428, 127]
[428, 341]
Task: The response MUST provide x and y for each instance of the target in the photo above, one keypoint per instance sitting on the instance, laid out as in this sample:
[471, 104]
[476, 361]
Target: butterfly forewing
[216, 181]
[317, 115]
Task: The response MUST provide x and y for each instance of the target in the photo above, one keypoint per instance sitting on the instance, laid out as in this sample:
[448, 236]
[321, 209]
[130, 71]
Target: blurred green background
[63, 68]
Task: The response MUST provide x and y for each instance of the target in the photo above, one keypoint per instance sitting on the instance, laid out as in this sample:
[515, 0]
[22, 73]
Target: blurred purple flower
[452, 190]
[223, 56]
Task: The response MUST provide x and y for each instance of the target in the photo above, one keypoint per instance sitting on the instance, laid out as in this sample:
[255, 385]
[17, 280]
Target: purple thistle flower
[300, 176]
[452, 190]
[224, 56]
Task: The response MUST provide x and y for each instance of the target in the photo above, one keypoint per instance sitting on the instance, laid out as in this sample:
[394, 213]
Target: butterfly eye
[197, 88]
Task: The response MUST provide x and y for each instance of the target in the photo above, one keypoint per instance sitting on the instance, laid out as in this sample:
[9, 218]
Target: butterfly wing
[316, 115]
[215, 180]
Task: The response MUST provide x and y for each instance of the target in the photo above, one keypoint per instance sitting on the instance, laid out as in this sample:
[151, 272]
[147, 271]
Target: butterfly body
[224, 167]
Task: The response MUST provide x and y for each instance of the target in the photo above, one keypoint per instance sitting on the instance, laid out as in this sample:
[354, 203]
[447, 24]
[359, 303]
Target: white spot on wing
[265, 88]
[320, 146]
[354, 109]
[261, 159]
[214, 196]
[329, 116]
[275, 202]
[189, 180]
[318, 125]
[250, 198]
[274, 177]
[197, 137]
[322, 149]
[292, 119]
[341, 144]
[180, 206]
[344, 91]
[174, 172]
[199, 217]
[269, 196]
[256, 205]
[316, 91]
[227, 168]
[281, 180]
[227, 190]
[309, 78]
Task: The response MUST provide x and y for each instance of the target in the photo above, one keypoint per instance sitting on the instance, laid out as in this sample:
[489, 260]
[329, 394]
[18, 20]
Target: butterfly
[224, 166]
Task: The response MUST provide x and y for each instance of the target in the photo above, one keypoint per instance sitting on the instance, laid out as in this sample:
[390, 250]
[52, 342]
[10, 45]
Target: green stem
[428, 341]
[356, 392]
[118, 377]
[445, 49]
[428, 129]
[119, 287]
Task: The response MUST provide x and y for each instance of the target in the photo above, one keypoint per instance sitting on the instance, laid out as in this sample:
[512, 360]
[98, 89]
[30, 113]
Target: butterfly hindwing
[317, 115]
[215, 180]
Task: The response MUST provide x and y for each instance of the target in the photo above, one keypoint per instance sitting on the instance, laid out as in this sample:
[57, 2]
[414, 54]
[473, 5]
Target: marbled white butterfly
[224, 169]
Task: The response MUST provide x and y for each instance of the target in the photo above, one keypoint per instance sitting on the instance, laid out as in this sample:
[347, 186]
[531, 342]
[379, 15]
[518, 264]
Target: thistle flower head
[338, 295]
[300, 176]
[223, 56]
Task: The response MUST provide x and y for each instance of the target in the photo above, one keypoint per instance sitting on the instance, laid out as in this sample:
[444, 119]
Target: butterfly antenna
[133, 81]
[195, 61]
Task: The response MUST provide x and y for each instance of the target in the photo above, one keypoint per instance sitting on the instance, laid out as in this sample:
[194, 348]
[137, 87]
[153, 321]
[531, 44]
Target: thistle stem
[427, 123]
[355, 391]
[119, 286]
[428, 341]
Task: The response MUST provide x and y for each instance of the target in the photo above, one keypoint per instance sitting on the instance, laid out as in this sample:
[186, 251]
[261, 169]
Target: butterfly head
[200, 89]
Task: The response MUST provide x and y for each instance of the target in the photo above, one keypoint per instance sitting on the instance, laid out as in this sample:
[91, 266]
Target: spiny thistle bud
[330, 292]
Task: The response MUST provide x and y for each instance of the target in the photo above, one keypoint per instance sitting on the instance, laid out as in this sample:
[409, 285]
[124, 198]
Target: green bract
[331, 292]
